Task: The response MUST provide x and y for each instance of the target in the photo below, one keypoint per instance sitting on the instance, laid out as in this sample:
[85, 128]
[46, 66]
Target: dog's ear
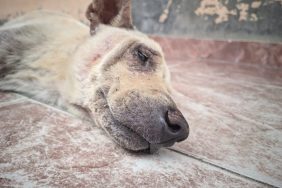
[116, 13]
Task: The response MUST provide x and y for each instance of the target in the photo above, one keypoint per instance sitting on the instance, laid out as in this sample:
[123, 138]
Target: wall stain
[165, 13]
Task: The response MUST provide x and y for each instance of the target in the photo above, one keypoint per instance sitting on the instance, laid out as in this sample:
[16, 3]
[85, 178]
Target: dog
[108, 72]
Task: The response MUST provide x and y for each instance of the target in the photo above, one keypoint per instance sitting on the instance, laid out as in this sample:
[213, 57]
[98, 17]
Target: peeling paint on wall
[221, 12]
[243, 11]
[214, 8]
[165, 13]
[256, 4]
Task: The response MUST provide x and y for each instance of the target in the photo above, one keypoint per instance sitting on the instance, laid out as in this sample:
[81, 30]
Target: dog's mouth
[132, 140]
[152, 147]
[122, 134]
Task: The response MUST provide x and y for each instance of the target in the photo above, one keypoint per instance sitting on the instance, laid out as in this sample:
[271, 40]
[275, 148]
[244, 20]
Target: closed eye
[142, 57]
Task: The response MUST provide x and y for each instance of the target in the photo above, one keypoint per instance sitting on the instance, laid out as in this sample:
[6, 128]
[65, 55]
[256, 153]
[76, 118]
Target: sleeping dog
[113, 74]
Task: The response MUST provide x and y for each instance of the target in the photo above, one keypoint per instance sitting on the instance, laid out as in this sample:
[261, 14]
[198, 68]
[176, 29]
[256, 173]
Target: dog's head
[124, 81]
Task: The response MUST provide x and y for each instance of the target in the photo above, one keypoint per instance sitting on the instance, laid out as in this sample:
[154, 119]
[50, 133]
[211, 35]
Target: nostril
[173, 127]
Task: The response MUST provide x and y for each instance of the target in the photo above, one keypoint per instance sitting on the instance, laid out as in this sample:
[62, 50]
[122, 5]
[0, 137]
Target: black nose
[176, 128]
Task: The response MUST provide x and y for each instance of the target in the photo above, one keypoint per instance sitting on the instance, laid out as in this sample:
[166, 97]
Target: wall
[255, 20]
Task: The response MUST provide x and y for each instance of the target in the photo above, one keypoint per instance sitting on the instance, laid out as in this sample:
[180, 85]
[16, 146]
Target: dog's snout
[176, 127]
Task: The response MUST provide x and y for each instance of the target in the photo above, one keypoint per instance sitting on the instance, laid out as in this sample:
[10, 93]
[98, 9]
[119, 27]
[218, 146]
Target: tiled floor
[235, 115]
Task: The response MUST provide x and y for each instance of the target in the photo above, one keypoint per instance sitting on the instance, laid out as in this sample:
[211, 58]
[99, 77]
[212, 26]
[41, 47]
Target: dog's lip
[153, 147]
[119, 123]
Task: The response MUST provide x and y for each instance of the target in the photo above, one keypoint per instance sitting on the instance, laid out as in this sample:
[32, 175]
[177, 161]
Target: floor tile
[234, 112]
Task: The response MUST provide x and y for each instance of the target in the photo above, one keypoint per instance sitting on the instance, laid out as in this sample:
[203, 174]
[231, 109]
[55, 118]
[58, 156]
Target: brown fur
[51, 57]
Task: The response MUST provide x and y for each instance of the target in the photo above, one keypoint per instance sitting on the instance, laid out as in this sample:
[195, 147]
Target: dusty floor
[234, 111]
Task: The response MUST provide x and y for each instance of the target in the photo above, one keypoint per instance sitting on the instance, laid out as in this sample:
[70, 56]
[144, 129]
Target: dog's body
[52, 58]
[36, 53]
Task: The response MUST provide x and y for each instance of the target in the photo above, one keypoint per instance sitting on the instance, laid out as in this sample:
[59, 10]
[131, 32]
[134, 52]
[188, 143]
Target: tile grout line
[220, 167]
[11, 102]
[29, 99]
[24, 97]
